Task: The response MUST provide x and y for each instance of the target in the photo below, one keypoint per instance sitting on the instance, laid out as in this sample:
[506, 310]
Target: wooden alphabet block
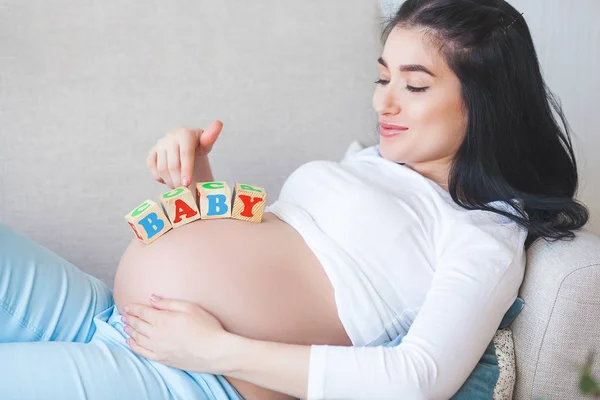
[248, 202]
[148, 221]
[180, 206]
[214, 199]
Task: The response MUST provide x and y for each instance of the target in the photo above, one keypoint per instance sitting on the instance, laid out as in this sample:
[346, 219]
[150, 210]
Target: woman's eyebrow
[408, 68]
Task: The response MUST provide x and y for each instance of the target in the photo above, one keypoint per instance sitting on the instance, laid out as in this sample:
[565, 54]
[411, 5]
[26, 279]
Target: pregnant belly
[260, 280]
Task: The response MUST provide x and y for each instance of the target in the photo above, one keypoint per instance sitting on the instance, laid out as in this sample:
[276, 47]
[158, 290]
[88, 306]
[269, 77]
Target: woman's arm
[183, 335]
[276, 366]
[202, 171]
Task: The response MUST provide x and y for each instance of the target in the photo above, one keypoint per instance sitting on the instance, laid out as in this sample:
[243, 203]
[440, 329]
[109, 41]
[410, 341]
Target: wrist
[202, 169]
[276, 366]
[234, 347]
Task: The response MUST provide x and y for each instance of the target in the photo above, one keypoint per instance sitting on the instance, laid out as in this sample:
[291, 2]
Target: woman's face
[419, 93]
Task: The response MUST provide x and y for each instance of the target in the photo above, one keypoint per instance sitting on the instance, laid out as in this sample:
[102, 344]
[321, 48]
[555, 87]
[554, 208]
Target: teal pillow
[482, 381]
[512, 313]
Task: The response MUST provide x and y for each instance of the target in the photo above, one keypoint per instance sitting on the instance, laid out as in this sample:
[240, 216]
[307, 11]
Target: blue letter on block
[216, 204]
[152, 224]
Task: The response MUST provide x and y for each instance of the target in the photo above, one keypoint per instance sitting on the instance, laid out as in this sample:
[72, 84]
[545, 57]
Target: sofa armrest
[560, 322]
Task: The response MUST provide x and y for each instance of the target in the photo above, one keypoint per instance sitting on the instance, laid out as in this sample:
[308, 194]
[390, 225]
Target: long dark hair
[514, 149]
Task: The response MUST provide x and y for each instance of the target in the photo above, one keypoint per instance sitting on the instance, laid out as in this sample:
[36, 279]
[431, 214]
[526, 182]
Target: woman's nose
[385, 102]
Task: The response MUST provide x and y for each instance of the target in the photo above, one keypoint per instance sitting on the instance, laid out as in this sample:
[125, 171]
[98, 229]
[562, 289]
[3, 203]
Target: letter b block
[248, 202]
[214, 199]
[180, 206]
[148, 221]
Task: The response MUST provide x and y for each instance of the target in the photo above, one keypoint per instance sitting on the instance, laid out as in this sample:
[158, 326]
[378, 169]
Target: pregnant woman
[425, 230]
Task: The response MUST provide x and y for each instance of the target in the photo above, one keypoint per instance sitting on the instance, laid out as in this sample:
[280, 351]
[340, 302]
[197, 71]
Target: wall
[87, 88]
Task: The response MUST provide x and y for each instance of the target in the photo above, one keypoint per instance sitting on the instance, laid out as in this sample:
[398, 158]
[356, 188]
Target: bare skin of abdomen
[260, 280]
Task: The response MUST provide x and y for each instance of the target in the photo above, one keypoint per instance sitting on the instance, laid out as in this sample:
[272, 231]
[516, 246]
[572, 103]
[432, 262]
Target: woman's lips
[388, 130]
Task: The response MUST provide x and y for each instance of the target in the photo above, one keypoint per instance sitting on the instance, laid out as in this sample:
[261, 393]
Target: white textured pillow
[505, 353]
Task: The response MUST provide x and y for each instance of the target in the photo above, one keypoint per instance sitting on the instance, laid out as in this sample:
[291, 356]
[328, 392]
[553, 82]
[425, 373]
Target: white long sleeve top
[401, 254]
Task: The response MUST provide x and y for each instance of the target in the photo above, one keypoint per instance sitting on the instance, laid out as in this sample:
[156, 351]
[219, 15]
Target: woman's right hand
[171, 160]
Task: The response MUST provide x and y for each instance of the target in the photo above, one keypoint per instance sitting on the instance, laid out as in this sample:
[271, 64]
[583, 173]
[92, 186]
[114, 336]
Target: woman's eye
[408, 87]
[417, 89]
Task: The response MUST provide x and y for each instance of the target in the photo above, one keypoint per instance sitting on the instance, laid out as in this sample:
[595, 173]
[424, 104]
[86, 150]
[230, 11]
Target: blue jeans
[61, 337]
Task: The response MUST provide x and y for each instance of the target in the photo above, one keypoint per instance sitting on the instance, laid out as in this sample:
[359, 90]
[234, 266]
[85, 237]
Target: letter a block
[180, 206]
[248, 202]
[214, 199]
[148, 221]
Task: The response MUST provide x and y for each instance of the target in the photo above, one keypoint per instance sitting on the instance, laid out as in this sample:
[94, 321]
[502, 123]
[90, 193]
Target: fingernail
[154, 297]
[123, 319]
[184, 181]
[126, 309]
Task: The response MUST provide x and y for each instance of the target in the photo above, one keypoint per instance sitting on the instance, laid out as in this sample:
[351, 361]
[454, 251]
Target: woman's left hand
[177, 333]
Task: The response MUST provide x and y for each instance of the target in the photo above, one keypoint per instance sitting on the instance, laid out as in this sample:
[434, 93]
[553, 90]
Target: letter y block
[248, 202]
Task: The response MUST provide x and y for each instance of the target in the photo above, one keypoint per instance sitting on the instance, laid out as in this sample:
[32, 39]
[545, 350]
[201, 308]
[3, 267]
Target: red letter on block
[249, 203]
[181, 208]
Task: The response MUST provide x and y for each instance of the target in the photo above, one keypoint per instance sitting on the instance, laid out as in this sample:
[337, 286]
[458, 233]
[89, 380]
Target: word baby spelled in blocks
[178, 207]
